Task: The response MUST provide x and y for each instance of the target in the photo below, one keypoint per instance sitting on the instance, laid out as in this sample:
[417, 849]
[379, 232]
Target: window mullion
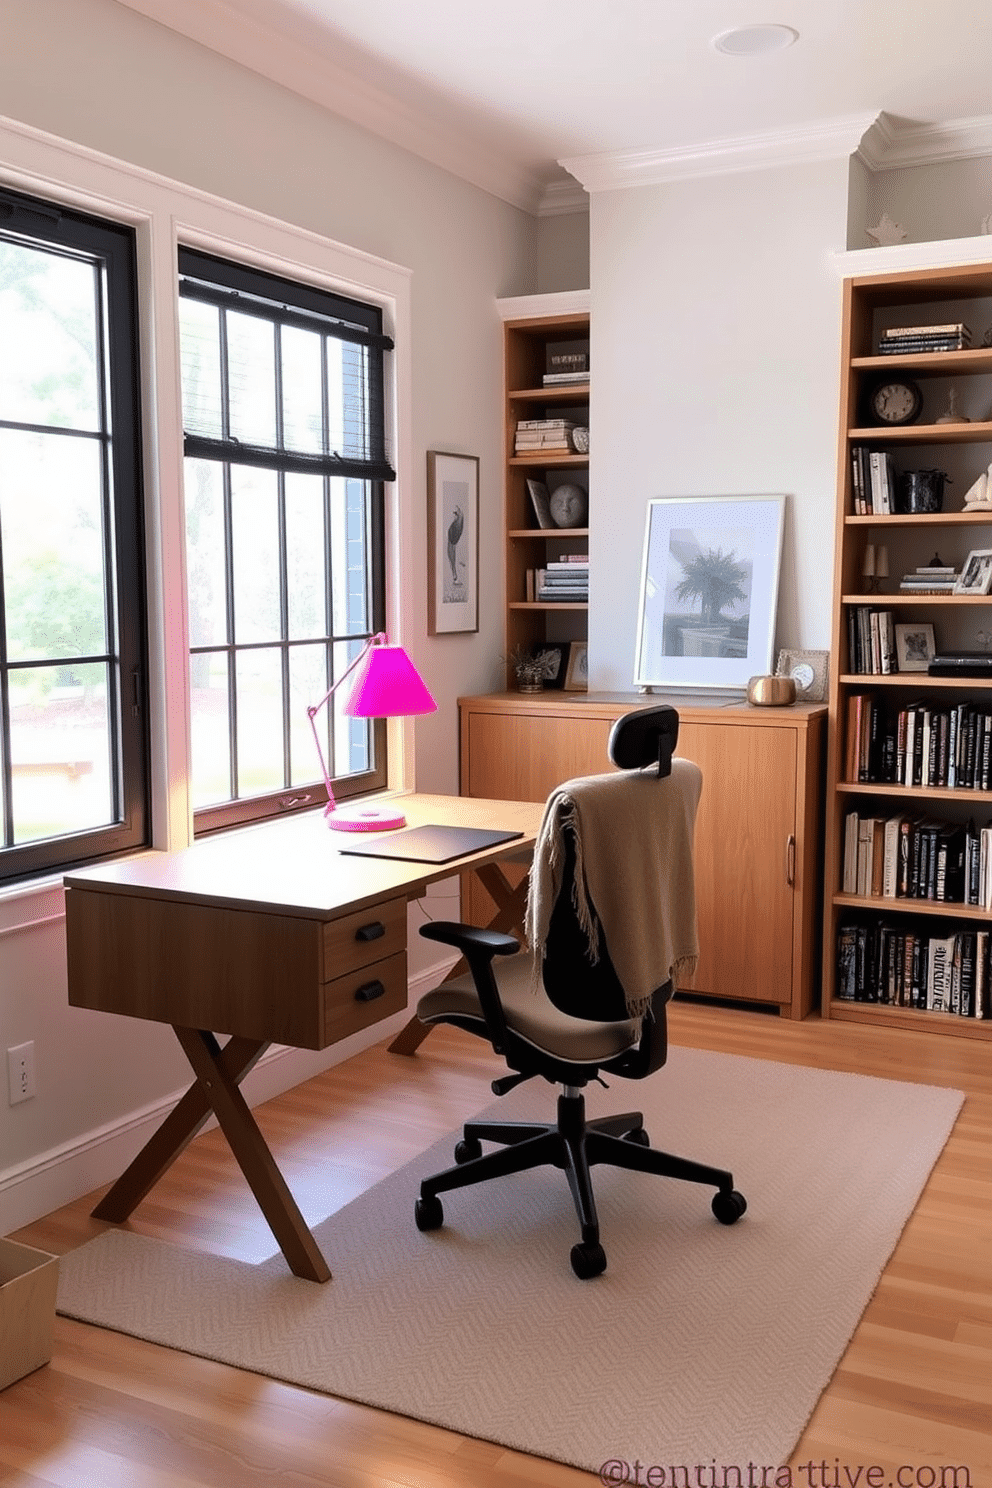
[115, 681]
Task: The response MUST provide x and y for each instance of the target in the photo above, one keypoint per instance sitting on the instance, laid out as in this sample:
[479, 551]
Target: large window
[73, 716]
[284, 464]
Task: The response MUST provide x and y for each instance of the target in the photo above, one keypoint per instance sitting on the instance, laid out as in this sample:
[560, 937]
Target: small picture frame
[809, 670]
[577, 673]
[553, 656]
[452, 543]
[915, 648]
[976, 573]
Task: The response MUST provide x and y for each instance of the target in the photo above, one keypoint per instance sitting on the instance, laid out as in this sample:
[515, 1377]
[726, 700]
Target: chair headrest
[647, 736]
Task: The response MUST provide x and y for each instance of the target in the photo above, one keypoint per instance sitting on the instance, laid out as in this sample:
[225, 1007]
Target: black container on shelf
[922, 490]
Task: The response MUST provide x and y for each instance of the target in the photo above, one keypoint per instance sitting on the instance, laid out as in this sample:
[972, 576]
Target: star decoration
[885, 232]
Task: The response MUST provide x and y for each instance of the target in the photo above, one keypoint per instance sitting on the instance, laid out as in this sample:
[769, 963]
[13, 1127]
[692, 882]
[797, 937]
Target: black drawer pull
[369, 991]
[372, 931]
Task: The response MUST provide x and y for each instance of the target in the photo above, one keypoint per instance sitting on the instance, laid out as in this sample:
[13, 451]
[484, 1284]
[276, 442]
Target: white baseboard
[95, 1158]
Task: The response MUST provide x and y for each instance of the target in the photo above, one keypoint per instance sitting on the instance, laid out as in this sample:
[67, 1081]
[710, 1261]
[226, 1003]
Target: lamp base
[364, 818]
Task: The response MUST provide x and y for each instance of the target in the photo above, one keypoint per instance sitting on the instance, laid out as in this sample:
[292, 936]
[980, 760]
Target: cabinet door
[743, 896]
[523, 759]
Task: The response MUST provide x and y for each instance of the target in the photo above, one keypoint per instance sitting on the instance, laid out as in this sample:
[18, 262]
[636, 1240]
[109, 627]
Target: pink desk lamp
[388, 685]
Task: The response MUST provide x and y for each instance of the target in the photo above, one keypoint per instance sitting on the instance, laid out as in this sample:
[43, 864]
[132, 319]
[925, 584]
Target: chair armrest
[479, 947]
[470, 937]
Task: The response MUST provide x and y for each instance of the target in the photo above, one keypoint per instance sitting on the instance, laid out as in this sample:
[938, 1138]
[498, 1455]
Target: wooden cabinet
[530, 326]
[876, 937]
[757, 856]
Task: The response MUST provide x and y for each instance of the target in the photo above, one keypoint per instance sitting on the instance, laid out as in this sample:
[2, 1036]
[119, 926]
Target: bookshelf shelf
[527, 340]
[883, 955]
[558, 607]
[970, 433]
[538, 534]
[929, 364]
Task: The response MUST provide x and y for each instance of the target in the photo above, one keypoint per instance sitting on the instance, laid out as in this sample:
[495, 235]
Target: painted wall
[562, 252]
[716, 346]
[98, 74]
[930, 202]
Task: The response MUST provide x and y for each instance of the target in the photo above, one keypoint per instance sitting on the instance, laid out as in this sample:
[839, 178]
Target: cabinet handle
[374, 930]
[370, 991]
[790, 859]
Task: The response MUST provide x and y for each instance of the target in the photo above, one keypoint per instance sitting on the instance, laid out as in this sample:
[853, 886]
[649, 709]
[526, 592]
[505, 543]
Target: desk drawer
[364, 997]
[357, 940]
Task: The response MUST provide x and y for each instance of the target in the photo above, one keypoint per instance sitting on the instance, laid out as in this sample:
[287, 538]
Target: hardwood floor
[912, 1395]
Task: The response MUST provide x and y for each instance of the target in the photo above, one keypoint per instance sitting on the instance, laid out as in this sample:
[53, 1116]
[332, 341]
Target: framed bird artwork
[453, 543]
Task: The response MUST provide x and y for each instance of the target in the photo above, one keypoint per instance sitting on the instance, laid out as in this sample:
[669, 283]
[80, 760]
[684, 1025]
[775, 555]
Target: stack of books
[930, 578]
[566, 363]
[544, 436]
[565, 579]
[900, 340]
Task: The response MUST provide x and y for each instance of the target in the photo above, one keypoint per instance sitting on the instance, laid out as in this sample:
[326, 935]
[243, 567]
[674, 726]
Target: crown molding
[829, 139]
[895, 144]
[341, 90]
[563, 197]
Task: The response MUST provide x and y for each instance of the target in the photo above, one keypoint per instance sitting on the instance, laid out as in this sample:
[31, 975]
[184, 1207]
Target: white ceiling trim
[283, 60]
[894, 144]
[563, 197]
[825, 140]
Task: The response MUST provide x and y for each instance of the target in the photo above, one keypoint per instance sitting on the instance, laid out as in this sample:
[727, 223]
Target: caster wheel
[728, 1207]
[468, 1149]
[638, 1136]
[588, 1261]
[428, 1214]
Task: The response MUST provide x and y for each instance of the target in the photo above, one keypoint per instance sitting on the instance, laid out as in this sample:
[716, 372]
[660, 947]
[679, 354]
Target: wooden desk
[268, 935]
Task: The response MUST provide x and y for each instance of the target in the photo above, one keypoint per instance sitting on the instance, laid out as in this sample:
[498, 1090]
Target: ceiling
[503, 93]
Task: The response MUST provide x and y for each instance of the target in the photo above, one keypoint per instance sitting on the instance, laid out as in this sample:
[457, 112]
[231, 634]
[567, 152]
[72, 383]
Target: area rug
[701, 1343]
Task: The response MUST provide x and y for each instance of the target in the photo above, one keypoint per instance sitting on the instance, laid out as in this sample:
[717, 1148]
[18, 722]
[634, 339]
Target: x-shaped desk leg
[219, 1072]
[510, 900]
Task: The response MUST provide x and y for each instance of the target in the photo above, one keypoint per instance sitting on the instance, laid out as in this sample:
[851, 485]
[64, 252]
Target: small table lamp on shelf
[388, 685]
[874, 567]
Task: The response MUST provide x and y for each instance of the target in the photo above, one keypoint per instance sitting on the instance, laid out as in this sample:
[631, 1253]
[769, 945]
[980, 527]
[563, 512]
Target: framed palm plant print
[709, 591]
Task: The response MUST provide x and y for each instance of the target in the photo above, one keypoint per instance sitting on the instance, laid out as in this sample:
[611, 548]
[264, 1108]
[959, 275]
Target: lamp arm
[378, 639]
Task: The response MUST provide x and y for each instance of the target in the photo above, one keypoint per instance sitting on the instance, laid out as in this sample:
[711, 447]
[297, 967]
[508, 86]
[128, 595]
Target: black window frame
[53, 226]
[238, 286]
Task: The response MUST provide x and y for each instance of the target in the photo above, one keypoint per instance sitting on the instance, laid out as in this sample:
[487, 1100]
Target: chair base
[576, 1145]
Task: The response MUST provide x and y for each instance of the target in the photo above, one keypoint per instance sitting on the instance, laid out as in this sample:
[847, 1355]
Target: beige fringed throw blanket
[633, 873]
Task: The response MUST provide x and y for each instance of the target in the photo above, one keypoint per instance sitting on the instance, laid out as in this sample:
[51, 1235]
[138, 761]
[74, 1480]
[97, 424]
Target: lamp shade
[388, 685]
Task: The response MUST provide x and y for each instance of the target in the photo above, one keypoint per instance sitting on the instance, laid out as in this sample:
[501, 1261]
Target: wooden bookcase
[872, 305]
[758, 847]
[528, 327]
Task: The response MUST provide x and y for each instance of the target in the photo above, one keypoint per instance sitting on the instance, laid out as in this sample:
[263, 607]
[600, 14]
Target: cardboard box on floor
[28, 1281]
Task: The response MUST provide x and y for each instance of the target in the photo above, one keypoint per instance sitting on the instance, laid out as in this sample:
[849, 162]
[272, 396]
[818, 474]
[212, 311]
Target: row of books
[903, 966]
[919, 744]
[563, 579]
[871, 641]
[873, 482]
[952, 336]
[552, 434]
[910, 856]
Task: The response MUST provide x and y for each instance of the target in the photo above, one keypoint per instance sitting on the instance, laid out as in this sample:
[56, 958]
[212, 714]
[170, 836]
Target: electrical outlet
[20, 1072]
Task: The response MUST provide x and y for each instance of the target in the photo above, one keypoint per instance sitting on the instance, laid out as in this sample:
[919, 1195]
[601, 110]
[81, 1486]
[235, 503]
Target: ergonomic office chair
[569, 1018]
